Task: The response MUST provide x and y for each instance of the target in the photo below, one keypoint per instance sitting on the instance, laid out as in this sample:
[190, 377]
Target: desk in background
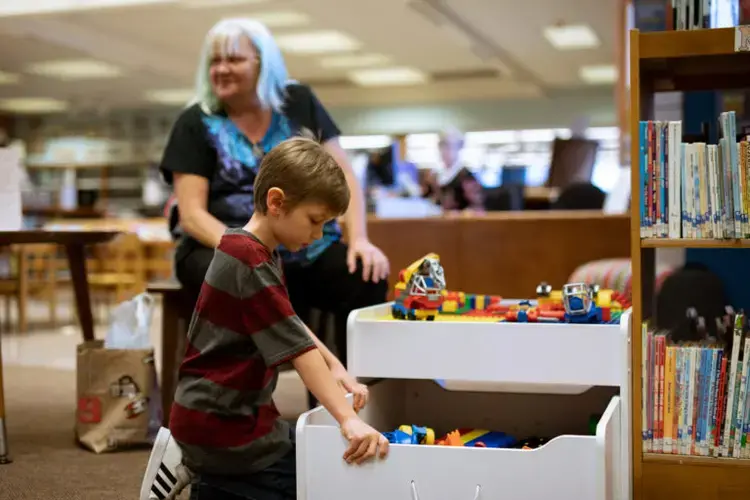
[505, 253]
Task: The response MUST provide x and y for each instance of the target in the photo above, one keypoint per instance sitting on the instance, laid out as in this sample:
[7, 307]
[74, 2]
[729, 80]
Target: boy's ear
[275, 201]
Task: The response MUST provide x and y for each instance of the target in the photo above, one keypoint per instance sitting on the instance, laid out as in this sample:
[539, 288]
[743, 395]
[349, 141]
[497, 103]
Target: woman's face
[234, 68]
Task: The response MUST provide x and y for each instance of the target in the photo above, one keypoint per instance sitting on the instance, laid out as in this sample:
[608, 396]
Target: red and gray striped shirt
[242, 329]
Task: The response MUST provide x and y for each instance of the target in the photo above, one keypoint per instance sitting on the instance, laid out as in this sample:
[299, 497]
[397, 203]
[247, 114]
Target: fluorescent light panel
[77, 69]
[570, 37]
[388, 76]
[201, 4]
[350, 142]
[281, 19]
[317, 42]
[8, 78]
[354, 61]
[601, 74]
[170, 96]
[24, 105]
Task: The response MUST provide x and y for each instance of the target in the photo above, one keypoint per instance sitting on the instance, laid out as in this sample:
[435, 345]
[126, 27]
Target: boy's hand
[364, 441]
[350, 385]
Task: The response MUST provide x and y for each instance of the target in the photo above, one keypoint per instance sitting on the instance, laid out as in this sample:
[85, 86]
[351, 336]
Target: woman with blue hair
[244, 106]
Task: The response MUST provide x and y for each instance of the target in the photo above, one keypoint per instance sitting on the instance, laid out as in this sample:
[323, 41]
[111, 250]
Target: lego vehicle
[580, 305]
[419, 292]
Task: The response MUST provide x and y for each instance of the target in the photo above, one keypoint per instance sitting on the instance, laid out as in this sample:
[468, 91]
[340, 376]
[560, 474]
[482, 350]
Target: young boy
[231, 441]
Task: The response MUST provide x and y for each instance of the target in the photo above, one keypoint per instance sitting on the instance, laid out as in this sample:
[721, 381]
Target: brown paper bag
[119, 404]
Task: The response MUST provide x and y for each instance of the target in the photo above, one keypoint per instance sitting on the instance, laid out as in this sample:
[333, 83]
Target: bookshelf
[665, 62]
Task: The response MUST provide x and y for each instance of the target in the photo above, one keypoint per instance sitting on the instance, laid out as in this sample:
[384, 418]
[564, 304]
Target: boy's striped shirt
[242, 329]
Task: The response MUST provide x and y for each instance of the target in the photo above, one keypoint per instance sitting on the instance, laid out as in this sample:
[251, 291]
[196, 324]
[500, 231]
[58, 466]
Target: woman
[454, 187]
[244, 106]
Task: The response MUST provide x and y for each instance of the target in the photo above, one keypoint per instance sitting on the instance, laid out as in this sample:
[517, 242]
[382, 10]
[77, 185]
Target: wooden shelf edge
[691, 460]
[687, 43]
[693, 243]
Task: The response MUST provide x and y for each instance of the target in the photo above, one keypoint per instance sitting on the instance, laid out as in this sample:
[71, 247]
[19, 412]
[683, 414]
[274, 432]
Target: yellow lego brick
[604, 298]
[450, 306]
[479, 302]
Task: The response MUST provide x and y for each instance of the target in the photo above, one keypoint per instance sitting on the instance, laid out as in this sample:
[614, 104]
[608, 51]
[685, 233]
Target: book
[695, 398]
[693, 190]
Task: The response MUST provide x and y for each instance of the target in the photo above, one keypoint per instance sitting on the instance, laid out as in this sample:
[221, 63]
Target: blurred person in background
[453, 186]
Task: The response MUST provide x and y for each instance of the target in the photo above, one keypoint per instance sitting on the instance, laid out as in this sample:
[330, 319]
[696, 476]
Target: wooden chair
[116, 270]
[33, 273]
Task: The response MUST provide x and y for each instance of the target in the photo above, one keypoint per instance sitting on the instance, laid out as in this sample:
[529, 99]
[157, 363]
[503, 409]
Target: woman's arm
[192, 202]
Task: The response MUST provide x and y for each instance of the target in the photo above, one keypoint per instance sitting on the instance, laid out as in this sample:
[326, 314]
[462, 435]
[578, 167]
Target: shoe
[165, 475]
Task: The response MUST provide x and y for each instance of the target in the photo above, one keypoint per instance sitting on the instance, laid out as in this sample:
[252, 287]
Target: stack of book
[697, 14]
[693, 190]
[695, 398]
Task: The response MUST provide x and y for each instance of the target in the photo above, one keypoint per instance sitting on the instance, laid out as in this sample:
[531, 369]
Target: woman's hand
[375, 264]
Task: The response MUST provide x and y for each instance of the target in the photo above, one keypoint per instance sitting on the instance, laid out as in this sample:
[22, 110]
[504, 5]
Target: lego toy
[580, 307]
[531, 443]
[411, 434]
[478, 438]
[421, 294]
[419, 291]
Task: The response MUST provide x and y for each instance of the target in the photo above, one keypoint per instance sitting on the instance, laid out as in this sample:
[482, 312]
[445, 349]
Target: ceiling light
[316, 42]
[74, 69]
[353, 61]
[350, 142]
[8, 78]
[33, 105]
[199, 4]
[574, 36]
[601, 74]
[388, 76]
[281, 19]
[174, 97]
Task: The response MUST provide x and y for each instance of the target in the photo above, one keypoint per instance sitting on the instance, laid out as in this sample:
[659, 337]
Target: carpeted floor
[49, 465]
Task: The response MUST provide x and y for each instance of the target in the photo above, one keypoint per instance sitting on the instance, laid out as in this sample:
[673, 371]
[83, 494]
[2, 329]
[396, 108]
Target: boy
[233, 444]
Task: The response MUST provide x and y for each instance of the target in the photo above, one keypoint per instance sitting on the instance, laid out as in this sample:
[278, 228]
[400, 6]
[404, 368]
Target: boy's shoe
[165, 475]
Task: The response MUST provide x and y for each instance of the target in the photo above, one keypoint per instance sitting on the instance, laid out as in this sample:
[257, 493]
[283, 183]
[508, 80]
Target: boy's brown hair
[306, 172]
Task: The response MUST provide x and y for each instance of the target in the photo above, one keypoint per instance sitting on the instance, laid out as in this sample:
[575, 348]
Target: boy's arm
[331, 360]
[320, 381]
[341, 375]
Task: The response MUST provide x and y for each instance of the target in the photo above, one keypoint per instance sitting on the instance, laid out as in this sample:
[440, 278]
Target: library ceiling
[144, 52]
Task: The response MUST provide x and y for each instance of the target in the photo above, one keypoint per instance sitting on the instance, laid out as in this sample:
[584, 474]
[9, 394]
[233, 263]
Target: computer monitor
[572, 162]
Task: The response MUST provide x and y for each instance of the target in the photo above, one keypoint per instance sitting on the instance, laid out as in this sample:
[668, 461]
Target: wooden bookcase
[663, 62]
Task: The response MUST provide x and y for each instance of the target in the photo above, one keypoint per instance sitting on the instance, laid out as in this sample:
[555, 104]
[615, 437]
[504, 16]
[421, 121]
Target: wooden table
[74, 243]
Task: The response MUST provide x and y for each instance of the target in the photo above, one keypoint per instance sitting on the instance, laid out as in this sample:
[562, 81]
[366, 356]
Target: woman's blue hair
[273, 76]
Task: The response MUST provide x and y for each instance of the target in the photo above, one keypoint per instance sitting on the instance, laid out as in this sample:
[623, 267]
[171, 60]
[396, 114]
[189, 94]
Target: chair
[580, 196]
[117, 269]
[32, 272]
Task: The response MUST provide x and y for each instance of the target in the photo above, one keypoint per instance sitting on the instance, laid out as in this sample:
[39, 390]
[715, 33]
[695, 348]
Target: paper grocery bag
[119, 404]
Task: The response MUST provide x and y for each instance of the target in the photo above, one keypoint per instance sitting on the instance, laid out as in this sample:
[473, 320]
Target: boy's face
[299, 227]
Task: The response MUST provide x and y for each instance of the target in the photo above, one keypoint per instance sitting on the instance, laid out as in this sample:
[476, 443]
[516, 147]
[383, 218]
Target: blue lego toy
[579, 304]
[411, 434]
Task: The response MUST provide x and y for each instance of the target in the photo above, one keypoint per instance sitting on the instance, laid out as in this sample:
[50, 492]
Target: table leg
[4, 458]
[77, 265]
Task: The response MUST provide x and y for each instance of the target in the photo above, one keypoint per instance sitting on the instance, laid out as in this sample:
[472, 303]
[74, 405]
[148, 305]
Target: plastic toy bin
[574, 465]
[507, 357]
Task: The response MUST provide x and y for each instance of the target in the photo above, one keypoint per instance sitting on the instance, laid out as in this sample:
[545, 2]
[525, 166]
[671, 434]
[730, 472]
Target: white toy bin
[572, 466]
